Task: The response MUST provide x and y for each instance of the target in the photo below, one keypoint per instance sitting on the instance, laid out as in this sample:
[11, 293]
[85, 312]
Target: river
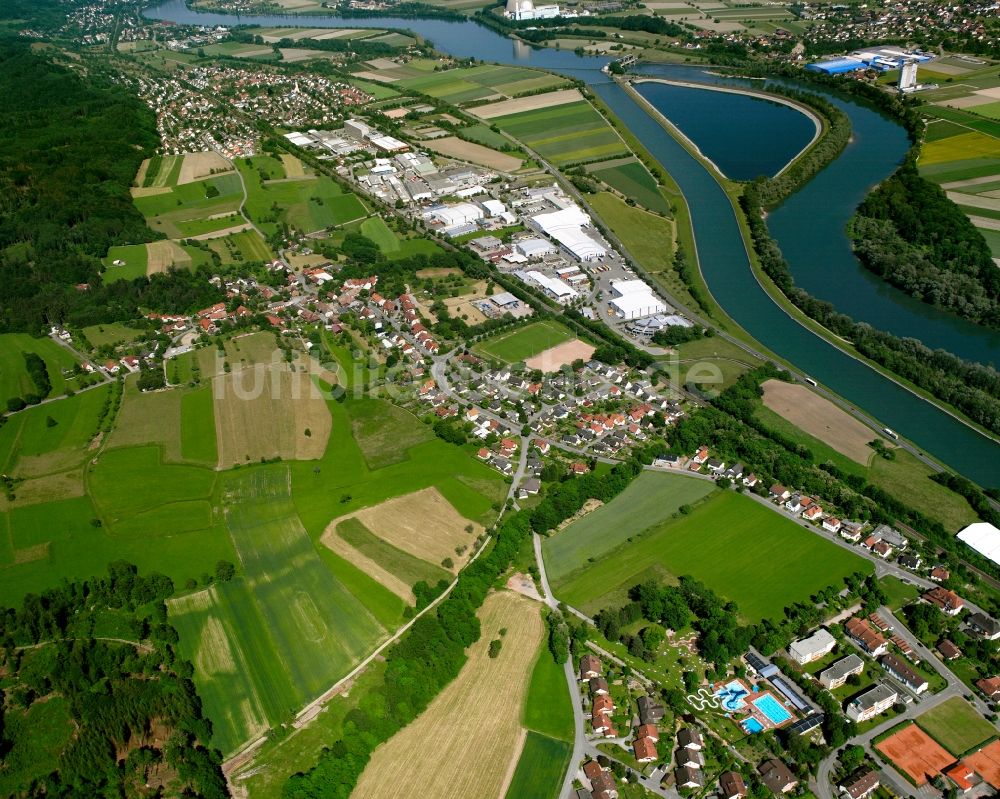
[810, 224]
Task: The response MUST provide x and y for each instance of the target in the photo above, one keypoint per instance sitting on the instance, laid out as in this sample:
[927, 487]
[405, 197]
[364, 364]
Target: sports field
[466, 739]
[915, 754]
[737, 547]
[956, 726]
[633, 180]
[649, 500]
[554, 358]
[565, 134]
[523, 342]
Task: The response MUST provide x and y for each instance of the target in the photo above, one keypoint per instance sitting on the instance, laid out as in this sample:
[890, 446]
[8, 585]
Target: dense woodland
[102, 651]
[70, 146]
[972, 388]
[909, 233]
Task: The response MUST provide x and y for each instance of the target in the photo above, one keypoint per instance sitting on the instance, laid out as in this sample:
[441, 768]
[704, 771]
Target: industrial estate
[498, 400]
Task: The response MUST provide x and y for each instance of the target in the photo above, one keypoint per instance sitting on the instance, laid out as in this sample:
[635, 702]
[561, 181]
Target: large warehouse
[635, 299]
[984, 538]
[567, 227]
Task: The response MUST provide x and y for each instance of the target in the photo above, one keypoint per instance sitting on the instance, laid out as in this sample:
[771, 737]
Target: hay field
[467, 738]
[293, 166]
[556, 357]
[368, 565]
[264, 411]
[422, 524]
[820, 418]
[531, 103]
[475, 153]
[196, 166]
[164, 254]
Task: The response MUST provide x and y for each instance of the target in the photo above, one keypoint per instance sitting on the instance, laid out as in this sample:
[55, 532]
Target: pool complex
[731, 695]
[772, 709]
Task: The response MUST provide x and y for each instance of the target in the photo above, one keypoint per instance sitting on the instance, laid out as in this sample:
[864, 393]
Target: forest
[96, 659]
[69, 151]
[908, 232]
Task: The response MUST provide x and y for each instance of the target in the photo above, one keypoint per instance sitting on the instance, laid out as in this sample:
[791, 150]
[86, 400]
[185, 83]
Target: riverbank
[732, 192]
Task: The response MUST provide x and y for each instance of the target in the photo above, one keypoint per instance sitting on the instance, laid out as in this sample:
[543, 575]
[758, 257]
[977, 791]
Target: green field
[111, 333]
[467, 84]
[198, 442]
[192, 196]
[648, 238]
[524, 342]
[14, 378]
[742, 550]
[956, 726]
[993, 240]
[308, 204]
[566, 134]
[405, 566]
[135, 257]
[908, 479]
[649, 500]
[540, 768]
[633, 180]
[246, 245]
[384, 432]
[547, 708]
[378, 231]
[482, 134]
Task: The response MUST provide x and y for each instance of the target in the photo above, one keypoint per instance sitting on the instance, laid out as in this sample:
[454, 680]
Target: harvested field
[218, 234]
[535, 101]
[339, 546]
[556, 357]
[264, 412]
[200, 165]
[467, 738]
[423, 524]
[438, 271]
[475, 153]
[914, 753]
[820, 418]
[986, 763]
[163, 254]
[149, 191]
[293, 166]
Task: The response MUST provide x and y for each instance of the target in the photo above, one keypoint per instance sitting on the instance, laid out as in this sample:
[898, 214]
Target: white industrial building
[526, 9]
[984, 538]
[567, 227]
[553, 285]
[534, 248]
[635, 299]
[458, 214]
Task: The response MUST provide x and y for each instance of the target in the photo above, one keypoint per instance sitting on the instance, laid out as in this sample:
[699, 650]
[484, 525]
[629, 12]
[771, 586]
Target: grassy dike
[733, 191]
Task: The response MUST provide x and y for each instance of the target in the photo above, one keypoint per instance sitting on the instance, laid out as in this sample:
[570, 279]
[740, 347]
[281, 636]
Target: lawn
[540, 768]
[198, 442]
[566, 134]
[402, 564]
[956, 726]
[633, 180]
[739, 548]
[897, 592]
[650, 499]
[524, 342]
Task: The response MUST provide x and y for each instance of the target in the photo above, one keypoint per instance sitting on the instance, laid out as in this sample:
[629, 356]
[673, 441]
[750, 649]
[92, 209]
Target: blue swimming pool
[772, 708]
[731, 695]
[751, 726]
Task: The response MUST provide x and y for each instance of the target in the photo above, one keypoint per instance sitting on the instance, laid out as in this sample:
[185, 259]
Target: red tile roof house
[990, 686]
[602, 725]
[962, 776]
[939, 574]
[600, 781]
[645, 750]
[648, 731]
[882, 549]
[812, 512]
[590, 666]
[949, 602]
[700, 456]
[603, 704]
[779, 492]
[831, 524]
[731, 785]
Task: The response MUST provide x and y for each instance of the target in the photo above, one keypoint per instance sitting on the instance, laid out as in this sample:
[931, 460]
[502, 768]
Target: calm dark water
[745, 137]
[809, 227]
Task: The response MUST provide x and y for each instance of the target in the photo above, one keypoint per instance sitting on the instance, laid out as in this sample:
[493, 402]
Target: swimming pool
[751, 726]
[772, 709]
[731, 695]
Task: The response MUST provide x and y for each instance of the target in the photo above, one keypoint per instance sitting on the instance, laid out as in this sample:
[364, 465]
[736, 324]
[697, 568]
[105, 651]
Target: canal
[812, 237]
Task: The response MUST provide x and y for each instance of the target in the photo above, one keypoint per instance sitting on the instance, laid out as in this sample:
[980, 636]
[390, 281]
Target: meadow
[14, 378]
[737, 547]
[566, 134]
[307, 204]
[389, 242]
[633, 180]
[956, 726]
[647, 237]
[541, 767]
[135, 257]
[650, 499]
[524, 342]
